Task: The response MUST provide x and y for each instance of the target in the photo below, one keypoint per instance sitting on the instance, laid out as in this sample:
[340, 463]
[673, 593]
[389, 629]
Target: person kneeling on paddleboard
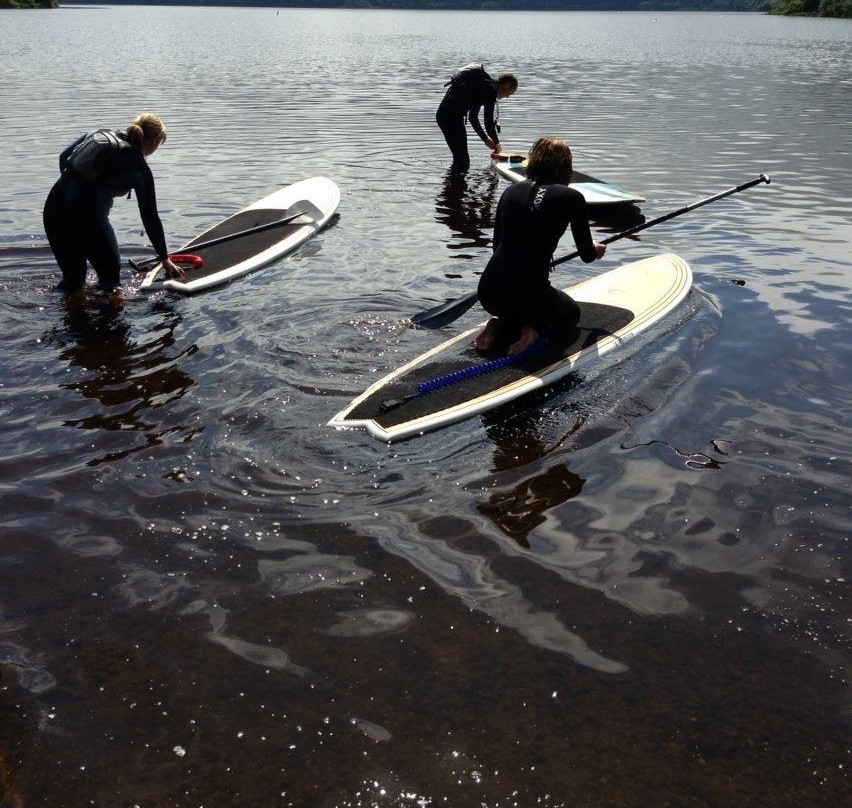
[96, 168]
[531, 218]
[470, 89]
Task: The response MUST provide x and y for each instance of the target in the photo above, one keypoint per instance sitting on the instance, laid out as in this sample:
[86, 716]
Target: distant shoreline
[802, 8]
[461, 5]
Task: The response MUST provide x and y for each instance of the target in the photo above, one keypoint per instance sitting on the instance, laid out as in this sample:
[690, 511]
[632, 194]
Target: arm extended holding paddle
[660, 219]
[446, 313]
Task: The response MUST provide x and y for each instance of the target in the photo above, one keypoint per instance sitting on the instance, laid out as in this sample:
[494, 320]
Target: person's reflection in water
[466, 203]
[128, 379]
[517, 510]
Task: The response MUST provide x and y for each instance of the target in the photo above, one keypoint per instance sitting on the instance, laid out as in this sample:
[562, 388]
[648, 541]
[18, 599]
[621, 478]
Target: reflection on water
[470, 578]
[209, 598]
[522, 508]
[693, 460]
[466, 204]
[363, 623]
[129, 376]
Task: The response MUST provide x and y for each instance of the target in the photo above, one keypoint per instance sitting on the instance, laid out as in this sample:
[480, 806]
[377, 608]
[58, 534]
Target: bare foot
[528, 337]
[485, 338]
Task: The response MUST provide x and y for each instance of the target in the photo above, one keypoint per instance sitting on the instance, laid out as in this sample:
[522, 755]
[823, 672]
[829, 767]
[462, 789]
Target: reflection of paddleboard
[316, 199]
[615, 306]
[596, 192]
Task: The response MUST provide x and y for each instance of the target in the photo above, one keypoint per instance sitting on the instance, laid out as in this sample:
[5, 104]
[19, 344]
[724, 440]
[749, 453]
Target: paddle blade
[303, 208]
[446, 313]
[143, 266]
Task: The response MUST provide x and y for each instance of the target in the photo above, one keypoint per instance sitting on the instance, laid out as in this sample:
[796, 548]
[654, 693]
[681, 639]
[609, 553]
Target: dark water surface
[629, 592]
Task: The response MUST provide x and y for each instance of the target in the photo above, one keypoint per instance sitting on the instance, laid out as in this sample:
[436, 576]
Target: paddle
[508, 157]
[446, 313]
[305, 206]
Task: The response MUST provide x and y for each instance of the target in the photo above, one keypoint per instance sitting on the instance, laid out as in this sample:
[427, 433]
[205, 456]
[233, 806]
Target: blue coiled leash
[457, 376]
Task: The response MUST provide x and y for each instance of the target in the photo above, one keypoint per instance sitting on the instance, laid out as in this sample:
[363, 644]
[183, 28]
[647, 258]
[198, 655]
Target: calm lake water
[632, 592]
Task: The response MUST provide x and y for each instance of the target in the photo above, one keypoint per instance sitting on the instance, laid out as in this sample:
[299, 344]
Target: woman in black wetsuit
[95, 169]
[470, 89]
[531, 218]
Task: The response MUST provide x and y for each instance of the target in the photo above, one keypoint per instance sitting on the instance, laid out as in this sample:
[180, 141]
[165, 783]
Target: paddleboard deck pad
[615, 307]
[316, 199]
[597, 193]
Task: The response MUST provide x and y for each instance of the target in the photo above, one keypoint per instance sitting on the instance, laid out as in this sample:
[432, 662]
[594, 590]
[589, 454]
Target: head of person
[550, 161]
[147, 132]
[507, 85]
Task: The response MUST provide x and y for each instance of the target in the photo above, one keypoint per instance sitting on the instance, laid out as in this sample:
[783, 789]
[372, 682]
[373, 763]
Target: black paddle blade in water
[446, 313]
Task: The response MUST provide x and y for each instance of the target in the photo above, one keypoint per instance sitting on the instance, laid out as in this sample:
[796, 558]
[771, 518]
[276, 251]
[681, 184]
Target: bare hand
[600, 249]
[494, 145]
[173, 270]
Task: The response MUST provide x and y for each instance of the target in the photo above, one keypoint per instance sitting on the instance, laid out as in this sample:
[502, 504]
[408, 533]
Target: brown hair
[508, 78]
[550, 161]
[146, 126]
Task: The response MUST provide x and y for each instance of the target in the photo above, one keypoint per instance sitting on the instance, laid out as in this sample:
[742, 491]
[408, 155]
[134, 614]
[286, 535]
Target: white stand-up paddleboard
[596, 192]
[253, 237]
[453, 381]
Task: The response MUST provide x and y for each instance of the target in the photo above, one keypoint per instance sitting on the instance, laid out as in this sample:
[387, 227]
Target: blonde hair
[146, 126]
[550, 161]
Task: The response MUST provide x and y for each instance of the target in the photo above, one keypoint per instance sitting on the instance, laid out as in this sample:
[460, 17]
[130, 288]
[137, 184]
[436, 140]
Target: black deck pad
[596, 322]
[228, 253]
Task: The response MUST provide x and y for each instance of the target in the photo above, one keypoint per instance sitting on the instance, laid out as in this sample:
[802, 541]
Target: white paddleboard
[238, 251]
[615, 307]
[597, 193]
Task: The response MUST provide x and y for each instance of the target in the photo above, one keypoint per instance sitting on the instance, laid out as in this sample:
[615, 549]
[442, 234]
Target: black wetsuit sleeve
[146, 196]
[582, 232]
[473, 117]
[63, 158]
[487, 98]
[488, 115]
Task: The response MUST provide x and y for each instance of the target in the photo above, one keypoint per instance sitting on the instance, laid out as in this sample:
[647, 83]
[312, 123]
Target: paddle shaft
[221, 239]
[660, 219]
[259, 229]
[442, 315]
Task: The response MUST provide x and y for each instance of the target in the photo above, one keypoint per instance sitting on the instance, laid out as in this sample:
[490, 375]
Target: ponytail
[146, 126]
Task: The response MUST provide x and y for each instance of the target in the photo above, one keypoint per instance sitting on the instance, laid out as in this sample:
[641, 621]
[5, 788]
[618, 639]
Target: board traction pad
[228, 253]
[596, 322]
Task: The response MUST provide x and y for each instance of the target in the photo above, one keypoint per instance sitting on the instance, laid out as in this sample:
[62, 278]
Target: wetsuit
[76, 214]
[515, 286]
[471, 89]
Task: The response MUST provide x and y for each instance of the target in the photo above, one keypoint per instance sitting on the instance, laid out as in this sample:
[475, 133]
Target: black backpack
[87, 159]
[468, 76]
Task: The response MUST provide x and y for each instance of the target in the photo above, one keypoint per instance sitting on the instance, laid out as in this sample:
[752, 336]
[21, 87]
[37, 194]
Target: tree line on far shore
[813, 8]
[29, 4]
[810, 8]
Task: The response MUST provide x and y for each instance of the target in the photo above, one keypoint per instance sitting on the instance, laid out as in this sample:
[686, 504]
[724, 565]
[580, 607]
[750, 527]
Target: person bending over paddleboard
[470, 89]
[531, 218]
[96, 168]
